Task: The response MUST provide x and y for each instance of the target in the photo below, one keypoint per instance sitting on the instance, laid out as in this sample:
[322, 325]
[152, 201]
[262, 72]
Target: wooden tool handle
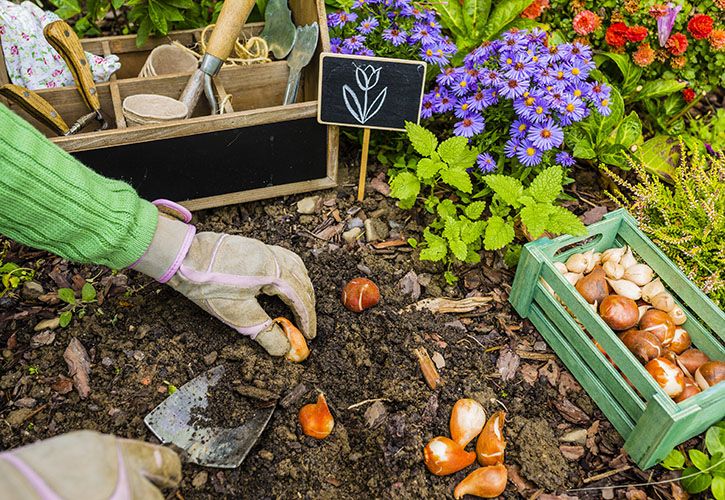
[35, 106]
[66, 42]
[228, 27]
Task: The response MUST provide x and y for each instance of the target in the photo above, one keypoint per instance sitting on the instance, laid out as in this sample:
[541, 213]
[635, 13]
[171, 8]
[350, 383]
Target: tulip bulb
[667, 375]
[613, 254]
[444, 456]
[593, 260]
[678, 315]
[651, 289]
[360, 294]
[561, 267]
[577, 263]
[620, 313]
[709, 374]
[625, 288]
[680, 341]
[593, 287]
[573, 278]
[298, 345]
[644, 345]
[659, 323]
[467, 420]
[639, 274]
[628, 259]
[691, 360]
[490, 445]
[663, 301]
[486, 482]
[613, 270]
[691, 389]
[642, 310]
[316, 419]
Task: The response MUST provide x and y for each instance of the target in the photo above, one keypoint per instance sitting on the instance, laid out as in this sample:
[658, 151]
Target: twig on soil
[477, 341]
[536, 356]
[604, 475]
[361, 403]
[430, 373]
[502, 405]
[444, 305]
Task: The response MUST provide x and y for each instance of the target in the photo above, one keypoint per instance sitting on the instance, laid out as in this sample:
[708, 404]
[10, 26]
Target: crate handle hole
[582, 245]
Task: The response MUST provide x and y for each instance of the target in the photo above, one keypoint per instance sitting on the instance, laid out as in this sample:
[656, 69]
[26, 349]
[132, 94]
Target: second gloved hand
[223, 274]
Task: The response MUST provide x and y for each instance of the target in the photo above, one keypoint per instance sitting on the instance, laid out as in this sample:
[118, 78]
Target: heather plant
[390, 28]
[685, 219]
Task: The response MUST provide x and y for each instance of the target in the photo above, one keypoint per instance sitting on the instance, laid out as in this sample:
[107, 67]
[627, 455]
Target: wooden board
[370, 92]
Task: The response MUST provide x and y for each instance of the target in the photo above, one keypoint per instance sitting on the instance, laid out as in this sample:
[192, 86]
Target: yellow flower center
[429, 52]
[535, 58]
[560, 75]
[464, 106]
[539, 110]
[529, 101]
[522, 127]
[546, 133]
[577, 93]
[463, 83]
[605, 102]
[575, 71]
[570, 107]
[509, 60]
[530, 151]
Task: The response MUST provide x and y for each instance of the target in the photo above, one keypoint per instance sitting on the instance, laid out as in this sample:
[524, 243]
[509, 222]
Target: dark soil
[143, 336]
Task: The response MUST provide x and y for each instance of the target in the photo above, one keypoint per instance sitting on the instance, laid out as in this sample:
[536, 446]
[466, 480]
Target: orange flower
[677, 44]
[644, 55]
[720, 4]
[678, 62]
[717, 40]
[586, 22]
[535, 9]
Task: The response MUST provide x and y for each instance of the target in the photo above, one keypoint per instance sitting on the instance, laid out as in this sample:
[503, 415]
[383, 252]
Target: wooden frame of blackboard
[367, 58]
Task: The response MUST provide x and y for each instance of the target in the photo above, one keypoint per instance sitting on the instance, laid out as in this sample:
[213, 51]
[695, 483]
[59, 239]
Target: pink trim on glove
[122, 490]
[173, 209]
[44, 491]
[190, 232]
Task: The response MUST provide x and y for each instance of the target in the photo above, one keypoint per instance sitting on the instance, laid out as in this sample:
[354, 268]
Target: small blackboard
[369, 92]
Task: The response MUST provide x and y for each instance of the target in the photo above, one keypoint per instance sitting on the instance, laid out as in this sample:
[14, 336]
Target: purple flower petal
[666, 22]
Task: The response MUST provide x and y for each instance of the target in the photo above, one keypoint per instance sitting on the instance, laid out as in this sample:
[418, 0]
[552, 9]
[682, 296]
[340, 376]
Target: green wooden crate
[650, 422]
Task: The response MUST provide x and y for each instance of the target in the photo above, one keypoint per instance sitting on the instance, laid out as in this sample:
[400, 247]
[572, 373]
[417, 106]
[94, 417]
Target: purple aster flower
[462, 109]
[428, 105]
[539, 112]
[433, 54]
[347, 17]
[335, 45]
[511, 147]
[520, 68]
[602, 106]
[354, 42]
[364, 51]
[565, 159]
[333, 20]
[444, 102]
[490, 78]
[480, 100]
[545, 136]
[544, 76]
[367, 25]
[395, 36]
[523, 104]
[576, 70]
[486, 163]
[469, 126]
[422, 33]
[445, 77]
[513, 87]
[666, 22]
[580, 89]
[361, 3]
[573, 110]
[462, 86]
[433, 24]
[490, 96]
[600, 90]
[518, 129]
[574, 50]
[528, 154]
[514, 40]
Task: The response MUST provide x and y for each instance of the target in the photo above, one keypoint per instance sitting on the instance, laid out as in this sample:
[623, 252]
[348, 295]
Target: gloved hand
[88, 465]
[223, 274]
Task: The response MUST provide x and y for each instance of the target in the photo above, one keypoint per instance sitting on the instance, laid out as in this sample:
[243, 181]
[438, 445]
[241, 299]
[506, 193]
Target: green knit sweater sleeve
[49, 200]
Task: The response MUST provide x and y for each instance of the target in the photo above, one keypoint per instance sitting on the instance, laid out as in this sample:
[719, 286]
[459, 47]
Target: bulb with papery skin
[709, 374]
[680, 341]
[444, 456]
[485, 482]
[298, 345]
[360, 294]
[467, 420]
[316, 419]
[669, 377]
[659, 323]
[690, 390]
[620, 313]
[490, 445]
[644, 345]
[691, 360]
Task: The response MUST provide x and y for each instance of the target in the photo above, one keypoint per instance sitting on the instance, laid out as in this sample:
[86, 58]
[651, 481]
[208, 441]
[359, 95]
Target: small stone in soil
[32, 290]
[43, 338]
[352, 235]
[16, 417]
[578, 436]
[570, 452]
[266, 455]
[210, 358]
[200, 479]
[25, 403]
[309, 205]
[47, 324]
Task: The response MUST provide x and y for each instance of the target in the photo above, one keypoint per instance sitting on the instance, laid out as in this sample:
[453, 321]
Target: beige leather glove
[90, 466]
[223, 274]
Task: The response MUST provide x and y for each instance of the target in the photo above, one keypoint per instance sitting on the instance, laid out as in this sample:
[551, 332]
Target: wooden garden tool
[66, 42]
[42, 110]
[231, 19]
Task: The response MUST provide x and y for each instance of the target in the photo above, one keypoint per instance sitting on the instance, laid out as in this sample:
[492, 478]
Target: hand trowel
[279, 31]
[176, 421]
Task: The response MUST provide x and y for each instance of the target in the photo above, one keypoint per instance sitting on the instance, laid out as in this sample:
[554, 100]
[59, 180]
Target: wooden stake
[363, 165]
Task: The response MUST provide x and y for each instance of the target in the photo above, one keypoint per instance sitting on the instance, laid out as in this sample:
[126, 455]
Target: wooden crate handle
[232, 17]
[66, 42]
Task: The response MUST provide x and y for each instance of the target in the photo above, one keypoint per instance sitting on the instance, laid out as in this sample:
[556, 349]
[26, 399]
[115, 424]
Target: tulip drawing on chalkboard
[367, 78]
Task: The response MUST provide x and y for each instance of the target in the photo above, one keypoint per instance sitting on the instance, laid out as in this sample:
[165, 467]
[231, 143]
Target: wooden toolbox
[649, 420]
[257, 149]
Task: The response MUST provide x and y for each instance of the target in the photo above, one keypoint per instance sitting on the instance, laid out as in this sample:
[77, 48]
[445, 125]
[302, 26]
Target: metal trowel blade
[279, 30]
[171, 422]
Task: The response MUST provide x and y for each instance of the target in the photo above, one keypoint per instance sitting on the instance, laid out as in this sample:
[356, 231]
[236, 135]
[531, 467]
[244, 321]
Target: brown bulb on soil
[298, 345]
[316, 419]
[659, 323]
[709, 374]
[593, 287]
[360, 294]
[486, 482]
[467, 420]
[691, 360]
[620, 313]
[644, 345]
[490, 445]
[667, 375]
[444, 456]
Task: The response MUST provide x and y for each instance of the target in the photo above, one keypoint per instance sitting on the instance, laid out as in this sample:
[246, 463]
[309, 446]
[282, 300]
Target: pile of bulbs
[445, 456]
[646, 318]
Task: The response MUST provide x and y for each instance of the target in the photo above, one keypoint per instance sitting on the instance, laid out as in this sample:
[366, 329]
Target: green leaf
[718, 487]
[459, 249]
[499, 233]
[156, 13]
[509, 189]
[654, 89]
[503, 13]
[452, 149]
[614, 154]
[88, 293]
[144, 30]
[65, 318]
[609, 123]
[436, 248]
[675, 460]
[562, 221]
[451, 16]
[424, 141]
[117, 4]
[475, 15]
[405, 186]
[631, 73]
[67, 295]
[451, 229]
[473, 231]
[546, 187]
[699, 459]
[715, 440]
[68, 9]
[535, 218]
[475, 209]
[446, 209]
[413, 242]
[584, 150]
[660, 156]
[184, 4]
[697, 483]
[450, 278]
[427, 168]
[629, 131]
[459, 179]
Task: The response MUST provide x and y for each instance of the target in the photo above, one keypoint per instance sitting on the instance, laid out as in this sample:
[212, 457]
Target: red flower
[677, 44]
[636, 34]
[615, 35]
[700, 26]
[586, 22]
[688, 94]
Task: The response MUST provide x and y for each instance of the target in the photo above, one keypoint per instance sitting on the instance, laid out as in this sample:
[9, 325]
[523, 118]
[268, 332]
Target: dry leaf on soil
[79, 366]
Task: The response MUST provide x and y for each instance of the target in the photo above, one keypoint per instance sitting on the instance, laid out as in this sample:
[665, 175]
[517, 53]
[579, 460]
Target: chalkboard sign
[369, 92]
